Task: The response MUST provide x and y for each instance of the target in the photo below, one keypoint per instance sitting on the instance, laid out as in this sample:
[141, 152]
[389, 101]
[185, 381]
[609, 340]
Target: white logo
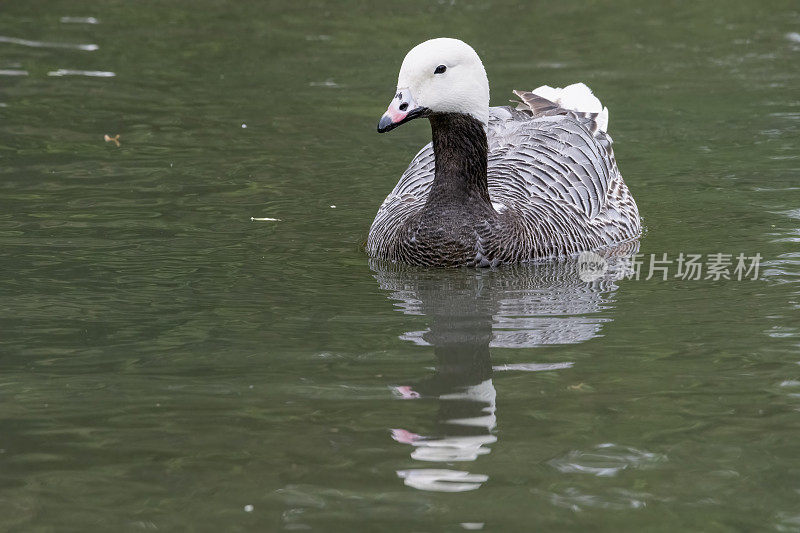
[591, 266]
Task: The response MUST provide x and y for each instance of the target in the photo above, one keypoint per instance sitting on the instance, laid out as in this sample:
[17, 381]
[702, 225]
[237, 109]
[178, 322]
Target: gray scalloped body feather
[554, 187]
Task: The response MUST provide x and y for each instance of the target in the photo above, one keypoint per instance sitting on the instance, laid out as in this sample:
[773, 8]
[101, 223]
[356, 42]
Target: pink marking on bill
[394, 113]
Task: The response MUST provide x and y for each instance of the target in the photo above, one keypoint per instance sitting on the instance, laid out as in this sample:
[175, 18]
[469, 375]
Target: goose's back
[552, 179]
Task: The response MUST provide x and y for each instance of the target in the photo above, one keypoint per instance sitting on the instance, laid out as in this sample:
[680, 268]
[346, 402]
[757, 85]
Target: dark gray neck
[460, 150]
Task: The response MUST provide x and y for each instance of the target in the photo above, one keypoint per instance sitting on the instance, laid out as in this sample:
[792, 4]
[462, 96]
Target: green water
[166, 363]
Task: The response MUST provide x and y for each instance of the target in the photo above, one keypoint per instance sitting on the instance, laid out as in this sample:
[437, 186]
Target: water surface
[167, 363]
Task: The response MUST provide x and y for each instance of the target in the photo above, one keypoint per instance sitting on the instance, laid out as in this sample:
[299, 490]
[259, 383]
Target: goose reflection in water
[470, 311]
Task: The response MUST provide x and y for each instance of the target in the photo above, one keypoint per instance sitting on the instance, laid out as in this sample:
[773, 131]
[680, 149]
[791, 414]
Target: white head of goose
[499, 184]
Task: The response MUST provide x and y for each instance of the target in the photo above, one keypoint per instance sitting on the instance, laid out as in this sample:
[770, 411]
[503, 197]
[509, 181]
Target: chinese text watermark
[714, 267]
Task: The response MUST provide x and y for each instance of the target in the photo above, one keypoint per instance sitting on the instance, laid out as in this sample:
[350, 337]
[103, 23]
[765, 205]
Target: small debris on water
[533, 367]
[333, 207]
[248, 508]
[244, 126]
[264, 219]
[115, 139]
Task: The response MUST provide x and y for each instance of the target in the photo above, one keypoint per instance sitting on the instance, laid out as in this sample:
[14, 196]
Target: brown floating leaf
[114, 139]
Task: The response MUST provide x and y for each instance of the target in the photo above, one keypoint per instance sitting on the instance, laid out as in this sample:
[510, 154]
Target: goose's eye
[440, 69]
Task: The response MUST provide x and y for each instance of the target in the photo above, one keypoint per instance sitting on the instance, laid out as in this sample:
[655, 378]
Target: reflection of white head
[452, 448]
[460, 87]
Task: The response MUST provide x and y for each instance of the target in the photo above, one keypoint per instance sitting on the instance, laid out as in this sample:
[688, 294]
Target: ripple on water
[788, 522]
[89, 73]
[785, 267]
[616, 499]
[79, 20]
[44, 44]
[790, 388]
[314, 506]
[327, 83]
[606, 460]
